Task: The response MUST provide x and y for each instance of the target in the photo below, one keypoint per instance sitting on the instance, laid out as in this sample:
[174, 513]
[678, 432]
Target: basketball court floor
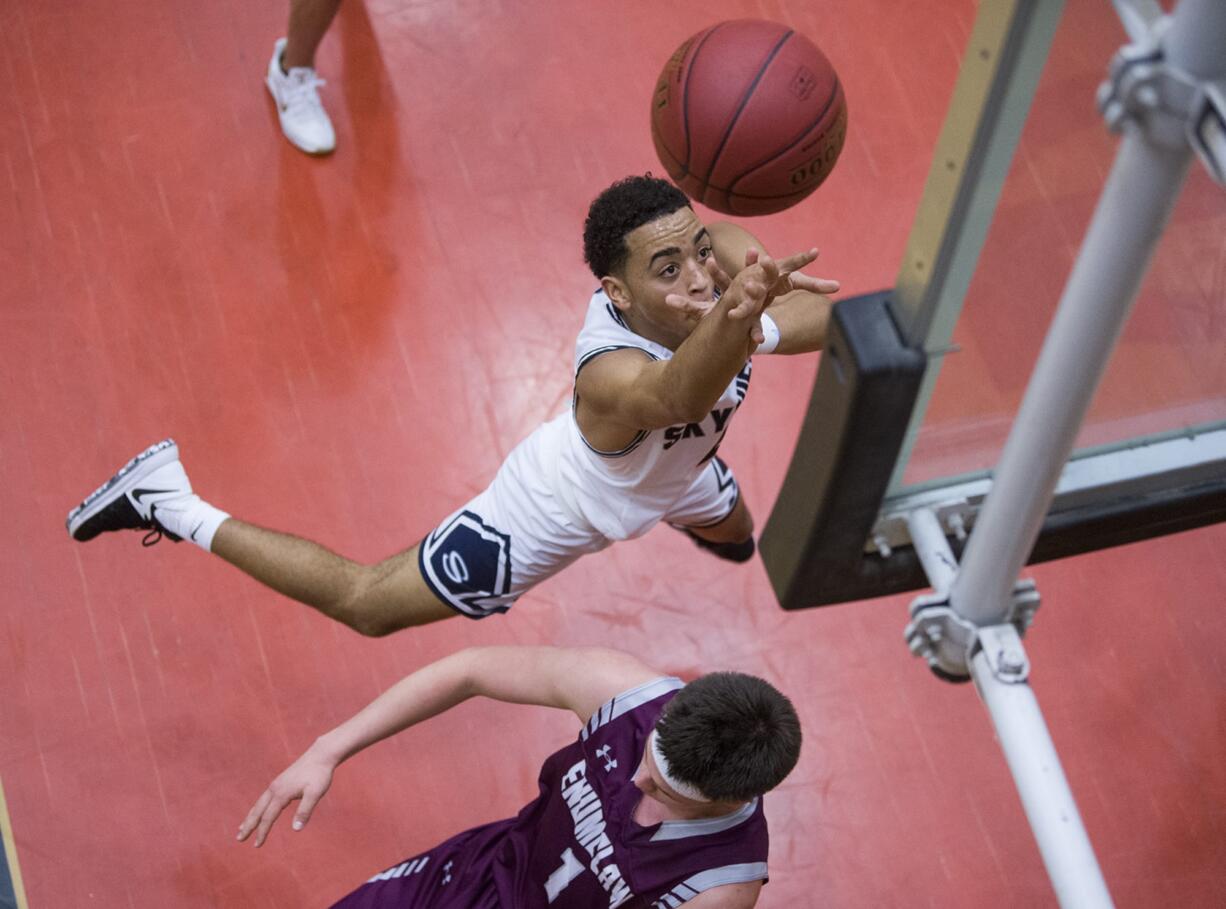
[346, 348]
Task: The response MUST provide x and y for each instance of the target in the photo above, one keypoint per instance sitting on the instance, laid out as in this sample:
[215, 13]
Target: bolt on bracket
[1145, 90]
[948, 642]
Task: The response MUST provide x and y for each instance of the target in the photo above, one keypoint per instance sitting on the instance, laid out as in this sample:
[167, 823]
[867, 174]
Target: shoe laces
[155, 529]
[301, 90]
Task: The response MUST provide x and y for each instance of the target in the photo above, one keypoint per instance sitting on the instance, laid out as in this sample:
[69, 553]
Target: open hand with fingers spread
[750, 291]
[308, 778]
[790, 278]
[784, 278]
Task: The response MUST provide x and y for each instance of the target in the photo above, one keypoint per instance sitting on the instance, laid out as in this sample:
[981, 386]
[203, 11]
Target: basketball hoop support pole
[1167, 94]
[1031, 755]
[1135, 206]
[997, 661]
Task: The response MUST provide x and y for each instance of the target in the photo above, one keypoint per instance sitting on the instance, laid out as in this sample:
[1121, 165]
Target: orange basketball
[748, 117]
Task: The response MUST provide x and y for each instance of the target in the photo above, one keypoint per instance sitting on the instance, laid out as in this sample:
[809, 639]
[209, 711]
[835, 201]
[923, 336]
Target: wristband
[771, 332]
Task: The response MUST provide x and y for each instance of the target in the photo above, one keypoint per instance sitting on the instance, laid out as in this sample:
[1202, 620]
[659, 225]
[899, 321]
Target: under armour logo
[603, 754]
[447, 874]
[453, 565]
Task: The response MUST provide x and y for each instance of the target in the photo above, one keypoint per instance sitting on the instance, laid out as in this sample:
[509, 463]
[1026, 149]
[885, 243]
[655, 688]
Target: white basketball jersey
[623, 494]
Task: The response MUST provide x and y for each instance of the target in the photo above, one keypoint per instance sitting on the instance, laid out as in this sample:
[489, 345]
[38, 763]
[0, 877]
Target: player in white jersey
[661, 365]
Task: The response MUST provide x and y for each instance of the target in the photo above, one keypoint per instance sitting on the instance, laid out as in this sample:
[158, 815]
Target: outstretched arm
[579, 680]
[625, 391]
[799, 306]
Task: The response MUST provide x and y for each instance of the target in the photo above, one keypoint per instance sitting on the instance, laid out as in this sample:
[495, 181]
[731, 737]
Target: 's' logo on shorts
[454, 567]
[468, 563]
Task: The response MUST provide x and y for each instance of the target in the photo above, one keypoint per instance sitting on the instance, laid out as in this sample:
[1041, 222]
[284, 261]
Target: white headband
[685, 789]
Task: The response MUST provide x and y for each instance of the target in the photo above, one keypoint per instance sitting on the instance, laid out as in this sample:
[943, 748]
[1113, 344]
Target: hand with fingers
[308, 778]
[749, 292]
[785, 278]
[790, 278]
[758, 279]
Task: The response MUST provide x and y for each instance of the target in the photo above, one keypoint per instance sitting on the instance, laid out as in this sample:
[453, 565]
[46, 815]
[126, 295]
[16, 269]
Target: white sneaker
[303, 119]
[130, 500]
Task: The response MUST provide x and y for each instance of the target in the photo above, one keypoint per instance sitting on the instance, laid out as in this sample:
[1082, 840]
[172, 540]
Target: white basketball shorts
[515, 534]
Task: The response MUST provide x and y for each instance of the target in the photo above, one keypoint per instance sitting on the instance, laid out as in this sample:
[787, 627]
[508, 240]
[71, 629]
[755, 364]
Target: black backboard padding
[1089, 528]
[858, 413]
[1130, 519]
[813, 544]
[1077, 531]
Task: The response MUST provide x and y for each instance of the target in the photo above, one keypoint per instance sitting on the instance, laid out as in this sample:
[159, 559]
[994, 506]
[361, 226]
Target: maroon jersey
[577, 845]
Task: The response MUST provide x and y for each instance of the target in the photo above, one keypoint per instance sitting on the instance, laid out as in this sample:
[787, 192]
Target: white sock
[191, 518]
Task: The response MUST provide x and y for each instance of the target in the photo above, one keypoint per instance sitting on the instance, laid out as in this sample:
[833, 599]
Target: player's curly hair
[625, 205]
[733, 736]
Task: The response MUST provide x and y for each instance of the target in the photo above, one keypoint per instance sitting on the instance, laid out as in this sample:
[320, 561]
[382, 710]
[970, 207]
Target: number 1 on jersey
[570, 869]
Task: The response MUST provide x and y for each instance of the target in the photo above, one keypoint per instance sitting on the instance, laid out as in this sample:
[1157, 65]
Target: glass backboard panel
[1169, 370]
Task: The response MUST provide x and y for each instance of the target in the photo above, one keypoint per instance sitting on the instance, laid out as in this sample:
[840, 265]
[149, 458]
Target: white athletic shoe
[303, 119]
[130, 500]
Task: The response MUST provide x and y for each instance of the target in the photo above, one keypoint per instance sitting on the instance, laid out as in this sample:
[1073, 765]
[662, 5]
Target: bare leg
[735, 528]
[374, 600]
[308, 23]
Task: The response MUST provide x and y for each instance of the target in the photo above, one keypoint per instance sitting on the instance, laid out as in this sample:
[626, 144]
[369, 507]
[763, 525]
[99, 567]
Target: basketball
[748, 117]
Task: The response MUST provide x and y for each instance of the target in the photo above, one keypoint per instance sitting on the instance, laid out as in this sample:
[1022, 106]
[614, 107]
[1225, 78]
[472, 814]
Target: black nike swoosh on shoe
[137, 494]
[195, 531]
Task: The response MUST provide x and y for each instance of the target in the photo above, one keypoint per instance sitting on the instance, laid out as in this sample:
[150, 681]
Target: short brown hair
[731, 735]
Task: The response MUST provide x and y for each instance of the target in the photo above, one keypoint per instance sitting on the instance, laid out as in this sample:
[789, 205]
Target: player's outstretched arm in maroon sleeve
[575, 679]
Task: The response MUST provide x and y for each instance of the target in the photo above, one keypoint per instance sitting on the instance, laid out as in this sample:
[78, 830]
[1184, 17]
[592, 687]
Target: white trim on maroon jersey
[705, 880]
[628, 700]
[680, 829]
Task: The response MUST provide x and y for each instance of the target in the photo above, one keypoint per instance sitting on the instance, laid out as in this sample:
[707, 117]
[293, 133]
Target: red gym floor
[347, 347]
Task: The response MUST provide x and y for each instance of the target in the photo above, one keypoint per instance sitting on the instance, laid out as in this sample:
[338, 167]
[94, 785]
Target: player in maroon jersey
[657, 803]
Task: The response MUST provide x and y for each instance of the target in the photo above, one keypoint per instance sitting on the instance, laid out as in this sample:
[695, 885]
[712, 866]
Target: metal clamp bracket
[1002, 645]
[948, 642]
[1172, 106]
